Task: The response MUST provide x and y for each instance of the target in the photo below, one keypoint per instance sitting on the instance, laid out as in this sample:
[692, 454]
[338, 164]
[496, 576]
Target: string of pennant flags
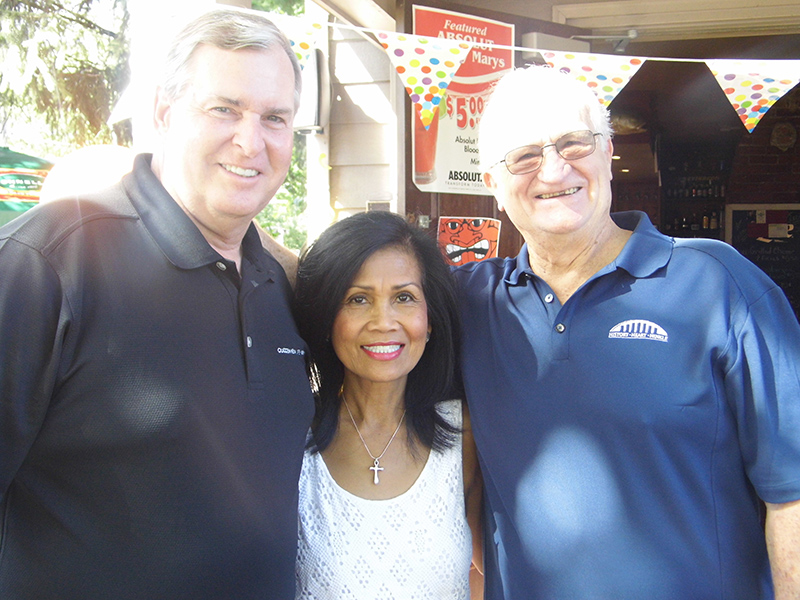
[427, 65]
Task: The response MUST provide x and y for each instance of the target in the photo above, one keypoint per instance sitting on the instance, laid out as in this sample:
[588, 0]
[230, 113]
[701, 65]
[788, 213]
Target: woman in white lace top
[390, 490]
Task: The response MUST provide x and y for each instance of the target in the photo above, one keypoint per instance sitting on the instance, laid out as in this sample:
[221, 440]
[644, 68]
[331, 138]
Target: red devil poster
[446, 153]
[468, 239]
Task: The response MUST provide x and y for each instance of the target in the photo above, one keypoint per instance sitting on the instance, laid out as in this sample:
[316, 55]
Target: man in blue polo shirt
[634, 398]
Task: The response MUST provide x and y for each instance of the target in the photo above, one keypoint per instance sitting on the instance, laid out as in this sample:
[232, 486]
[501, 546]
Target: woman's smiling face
[381, 329]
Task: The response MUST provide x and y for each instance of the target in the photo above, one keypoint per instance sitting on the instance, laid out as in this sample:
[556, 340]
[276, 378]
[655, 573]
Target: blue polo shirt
[627, 436]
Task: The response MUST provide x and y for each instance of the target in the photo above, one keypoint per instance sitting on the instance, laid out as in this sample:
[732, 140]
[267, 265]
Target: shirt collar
[645, 252]
[519, 268]
[178, 237]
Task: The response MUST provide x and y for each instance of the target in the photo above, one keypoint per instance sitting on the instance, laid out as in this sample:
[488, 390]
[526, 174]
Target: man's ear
[610, 148]
[161, 111]
[491, 184]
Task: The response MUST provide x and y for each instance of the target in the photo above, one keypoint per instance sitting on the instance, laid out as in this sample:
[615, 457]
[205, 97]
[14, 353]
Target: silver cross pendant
[375, 468]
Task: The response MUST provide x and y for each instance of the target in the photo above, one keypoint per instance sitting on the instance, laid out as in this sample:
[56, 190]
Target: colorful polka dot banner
[605, 74]
[426, 65]
[753, 86]
[301, 33]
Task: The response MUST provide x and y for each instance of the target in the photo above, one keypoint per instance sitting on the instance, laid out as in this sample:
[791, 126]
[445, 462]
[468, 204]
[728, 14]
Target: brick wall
[761, 172]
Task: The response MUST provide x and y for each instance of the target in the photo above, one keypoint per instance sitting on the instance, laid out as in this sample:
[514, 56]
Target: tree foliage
[286, 7]
[65, 63]
[283, 216]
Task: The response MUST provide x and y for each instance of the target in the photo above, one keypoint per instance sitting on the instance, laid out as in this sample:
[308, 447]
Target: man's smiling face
[227, 139]
[562, 196]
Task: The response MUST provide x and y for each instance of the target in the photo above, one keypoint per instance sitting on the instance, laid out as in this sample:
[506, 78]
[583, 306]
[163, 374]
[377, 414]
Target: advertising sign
[23, 184]
[446, 153]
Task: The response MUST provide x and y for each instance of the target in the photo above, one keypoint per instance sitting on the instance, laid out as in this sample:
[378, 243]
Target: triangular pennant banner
[426, 65]
[606, 74]
[302, 34]
[753, 86]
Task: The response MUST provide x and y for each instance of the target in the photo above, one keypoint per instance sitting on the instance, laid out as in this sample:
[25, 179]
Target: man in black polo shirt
[153, 396]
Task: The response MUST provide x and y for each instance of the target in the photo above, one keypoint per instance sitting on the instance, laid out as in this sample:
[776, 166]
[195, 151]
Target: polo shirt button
[249, 342]
[549, 298]
[561, 328]
[221, 265]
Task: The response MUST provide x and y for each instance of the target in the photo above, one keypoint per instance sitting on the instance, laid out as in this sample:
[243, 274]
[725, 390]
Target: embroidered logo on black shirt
[299, 351]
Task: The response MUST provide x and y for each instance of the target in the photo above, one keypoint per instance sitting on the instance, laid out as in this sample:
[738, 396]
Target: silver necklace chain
[376, 466]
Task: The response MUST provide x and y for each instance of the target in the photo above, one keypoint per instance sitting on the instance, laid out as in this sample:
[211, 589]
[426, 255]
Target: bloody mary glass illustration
[425, 148]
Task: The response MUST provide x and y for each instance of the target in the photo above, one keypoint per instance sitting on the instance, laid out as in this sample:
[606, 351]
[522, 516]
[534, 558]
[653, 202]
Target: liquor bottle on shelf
[713, 222]
[694, 226]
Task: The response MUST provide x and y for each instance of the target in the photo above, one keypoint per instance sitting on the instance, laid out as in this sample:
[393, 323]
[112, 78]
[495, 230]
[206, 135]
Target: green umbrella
[16, 160]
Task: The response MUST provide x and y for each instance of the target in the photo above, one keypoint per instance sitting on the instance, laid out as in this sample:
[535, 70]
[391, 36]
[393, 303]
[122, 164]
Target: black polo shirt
[153, 406]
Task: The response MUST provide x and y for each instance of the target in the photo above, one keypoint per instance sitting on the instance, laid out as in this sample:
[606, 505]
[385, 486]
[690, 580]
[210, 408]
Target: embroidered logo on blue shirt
[638, 329]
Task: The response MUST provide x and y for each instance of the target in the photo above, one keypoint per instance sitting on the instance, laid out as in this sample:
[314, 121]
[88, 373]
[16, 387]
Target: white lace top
[413, 547]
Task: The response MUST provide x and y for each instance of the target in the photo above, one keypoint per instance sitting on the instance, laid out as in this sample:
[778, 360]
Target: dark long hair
[327, 270]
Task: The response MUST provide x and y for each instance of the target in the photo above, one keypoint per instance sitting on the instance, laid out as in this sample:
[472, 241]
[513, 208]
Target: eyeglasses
[571, 146]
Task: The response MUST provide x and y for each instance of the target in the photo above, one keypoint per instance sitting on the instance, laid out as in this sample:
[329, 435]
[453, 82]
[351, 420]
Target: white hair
[525, 94]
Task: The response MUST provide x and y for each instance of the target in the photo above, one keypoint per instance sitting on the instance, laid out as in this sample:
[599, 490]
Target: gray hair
[526, 94]
[228, 30]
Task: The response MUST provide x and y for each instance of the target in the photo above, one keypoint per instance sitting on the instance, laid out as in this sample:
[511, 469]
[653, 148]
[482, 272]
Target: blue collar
[646, 251]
